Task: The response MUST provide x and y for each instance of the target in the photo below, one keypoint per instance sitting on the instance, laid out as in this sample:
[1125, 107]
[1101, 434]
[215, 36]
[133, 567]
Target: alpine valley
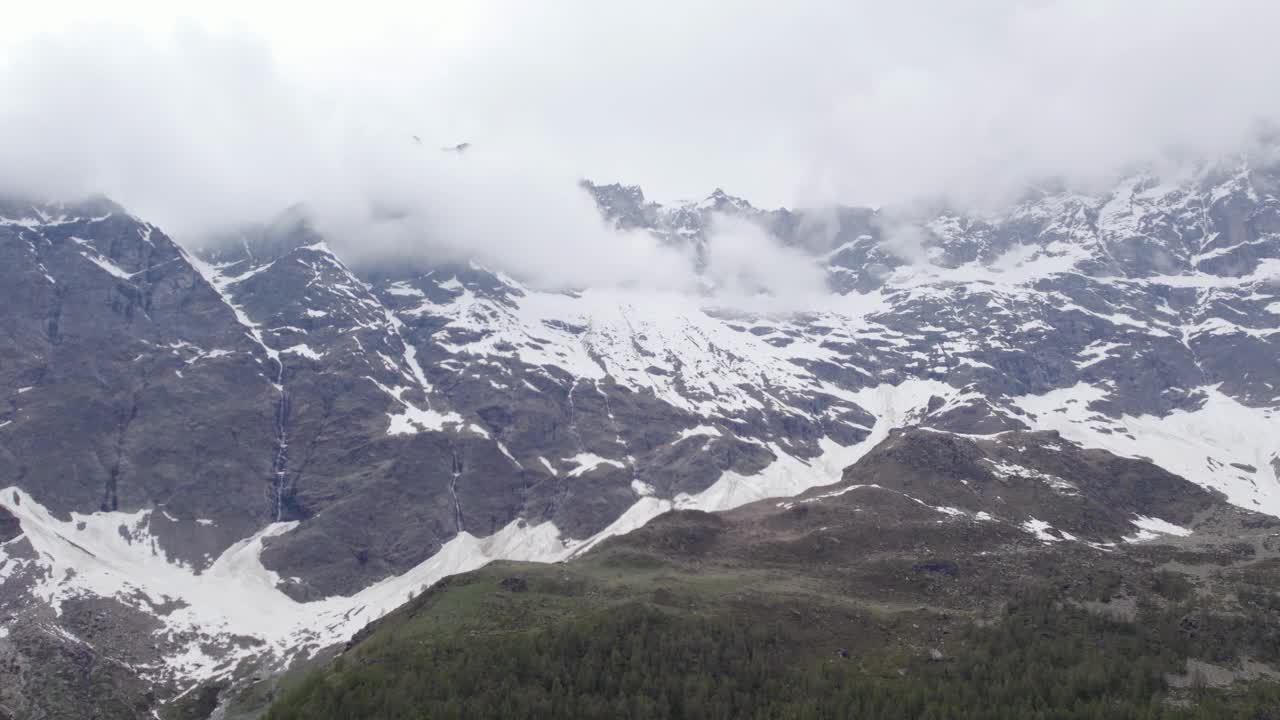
[224, 465]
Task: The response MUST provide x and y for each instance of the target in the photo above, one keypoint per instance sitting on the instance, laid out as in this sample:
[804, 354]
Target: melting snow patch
[1096, 353]
[107, 265]
[589, 461]
[1179, 442]
[207, 355]
[1005, 469]
[1041, 529]
[236, 596]
[303, 350]
[507, 452]
[1150, 528]
[699, 431]
[414, 420]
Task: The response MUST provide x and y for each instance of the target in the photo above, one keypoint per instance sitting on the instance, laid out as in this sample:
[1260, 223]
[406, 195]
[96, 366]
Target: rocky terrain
[220, 461]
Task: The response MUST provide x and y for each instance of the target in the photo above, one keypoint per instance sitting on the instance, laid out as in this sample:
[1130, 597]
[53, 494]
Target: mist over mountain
[920, 339]
[210, 123]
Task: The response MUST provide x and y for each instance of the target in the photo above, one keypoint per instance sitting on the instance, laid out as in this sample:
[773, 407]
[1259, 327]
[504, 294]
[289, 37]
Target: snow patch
[1005, 469]
[586, 462]
[235, 596]
[107, 265]
[1182, 442]
[1041, 529]
[894, 406]
[1095, 353]
[413, 420]
[1150, 528]
[699, 431]
[305, 351]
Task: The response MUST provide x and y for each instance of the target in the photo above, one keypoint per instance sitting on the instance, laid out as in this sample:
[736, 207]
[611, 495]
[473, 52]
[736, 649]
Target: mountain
[222, 462]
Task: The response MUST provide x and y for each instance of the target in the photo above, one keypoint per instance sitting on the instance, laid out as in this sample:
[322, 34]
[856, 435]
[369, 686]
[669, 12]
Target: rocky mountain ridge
[246, 455]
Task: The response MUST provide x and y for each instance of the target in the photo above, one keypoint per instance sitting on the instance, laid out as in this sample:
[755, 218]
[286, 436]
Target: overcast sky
[194, 113]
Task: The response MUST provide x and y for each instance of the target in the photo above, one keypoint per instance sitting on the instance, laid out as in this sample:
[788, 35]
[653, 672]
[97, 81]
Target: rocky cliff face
[245, 455]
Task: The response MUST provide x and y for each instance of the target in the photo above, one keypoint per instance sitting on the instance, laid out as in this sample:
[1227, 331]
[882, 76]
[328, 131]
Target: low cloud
[746, 264]
[905, 241]
[490, 207]
[202, 134]
[205, 124]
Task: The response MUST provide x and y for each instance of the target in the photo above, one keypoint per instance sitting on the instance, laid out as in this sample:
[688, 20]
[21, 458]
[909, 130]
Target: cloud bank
[202, 123]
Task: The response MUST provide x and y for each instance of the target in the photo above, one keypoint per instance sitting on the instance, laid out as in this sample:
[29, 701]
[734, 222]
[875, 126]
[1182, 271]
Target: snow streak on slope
[237, 597]
[895, 406]
[220, 283]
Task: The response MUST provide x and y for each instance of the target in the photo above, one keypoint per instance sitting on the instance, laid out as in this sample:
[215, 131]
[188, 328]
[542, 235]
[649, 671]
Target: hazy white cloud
[986, 97]
[202, 132]
[743, 262]
[498, 210]
[192, 130]
[905, 241]
[240, 110]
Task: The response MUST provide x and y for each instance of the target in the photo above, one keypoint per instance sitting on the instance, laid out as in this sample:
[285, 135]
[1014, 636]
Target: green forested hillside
[639, 658]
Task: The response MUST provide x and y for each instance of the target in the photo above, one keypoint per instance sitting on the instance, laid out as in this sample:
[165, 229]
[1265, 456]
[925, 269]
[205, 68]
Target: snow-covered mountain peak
[270, 422]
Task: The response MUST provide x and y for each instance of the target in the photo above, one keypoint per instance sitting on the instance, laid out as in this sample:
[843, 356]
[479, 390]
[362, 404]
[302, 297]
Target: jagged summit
[720, 201]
